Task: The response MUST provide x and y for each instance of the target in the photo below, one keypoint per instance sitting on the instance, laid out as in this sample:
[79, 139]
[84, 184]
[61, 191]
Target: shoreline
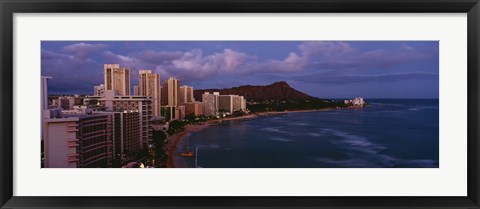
[176, 138]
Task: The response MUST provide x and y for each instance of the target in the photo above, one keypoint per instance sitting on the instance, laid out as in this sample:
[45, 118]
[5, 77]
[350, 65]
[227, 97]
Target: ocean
[390, 133]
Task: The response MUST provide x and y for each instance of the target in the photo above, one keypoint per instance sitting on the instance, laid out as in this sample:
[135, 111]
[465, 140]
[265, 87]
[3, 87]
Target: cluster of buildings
[112, 126]
[356, 102]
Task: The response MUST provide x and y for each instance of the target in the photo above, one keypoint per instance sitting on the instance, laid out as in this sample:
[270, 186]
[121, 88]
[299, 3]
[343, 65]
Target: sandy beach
[175, 139]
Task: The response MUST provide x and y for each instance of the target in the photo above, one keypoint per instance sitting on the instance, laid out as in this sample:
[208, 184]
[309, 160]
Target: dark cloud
[342, 56]
[80, 65]
[70, 73]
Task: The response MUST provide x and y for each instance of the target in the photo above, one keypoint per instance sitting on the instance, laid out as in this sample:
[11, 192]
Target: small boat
[186, 154]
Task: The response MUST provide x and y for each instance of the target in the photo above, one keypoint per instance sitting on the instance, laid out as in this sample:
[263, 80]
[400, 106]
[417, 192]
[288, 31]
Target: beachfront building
[210, 102]
[239, 103]
[195, 108]
[173, 113]
[231, 103]
[243, 104]
[149, 85]
[83, 141]
[180, 112]
[99, 90]
[356, 102]
[117, 79]
[168, 112]
[225, 104]
[170, 92]
[186, 94]
[142, 104]
[126, 133]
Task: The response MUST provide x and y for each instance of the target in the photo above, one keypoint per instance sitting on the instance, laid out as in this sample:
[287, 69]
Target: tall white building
[117, 79]
[170, 92]
[149, 85]
[186, 94]
[210, 102]
[125, 133]
[231, 103]
[243, 105]
[68, 141]
[142, 104]
[225, 103]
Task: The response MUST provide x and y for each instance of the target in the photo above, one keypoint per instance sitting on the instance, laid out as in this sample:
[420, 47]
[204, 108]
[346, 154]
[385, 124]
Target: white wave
[314, 134]
[273, 129]
[359, 143]
[365, 153]
[280, 139]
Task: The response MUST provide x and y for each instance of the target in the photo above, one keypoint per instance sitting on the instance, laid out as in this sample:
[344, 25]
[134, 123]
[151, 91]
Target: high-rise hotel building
[125, 133]
[170, 92]
[117, 79]
[194, 108]
[81, 141]
[142, 104]
[186, 94]
[149, 85]
[210, 102]
[225, 103]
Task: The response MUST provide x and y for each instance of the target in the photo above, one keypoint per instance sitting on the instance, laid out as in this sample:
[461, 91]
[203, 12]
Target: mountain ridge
[279, 90]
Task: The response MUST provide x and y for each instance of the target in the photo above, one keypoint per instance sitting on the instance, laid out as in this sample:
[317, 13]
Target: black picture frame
[10, 7]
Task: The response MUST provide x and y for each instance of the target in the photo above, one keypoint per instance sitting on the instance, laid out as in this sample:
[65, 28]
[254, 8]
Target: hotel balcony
[72, 129]
[72, 160]
[72, 144]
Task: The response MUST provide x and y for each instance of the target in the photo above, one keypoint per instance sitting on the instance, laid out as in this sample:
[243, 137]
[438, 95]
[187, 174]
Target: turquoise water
[388, 133]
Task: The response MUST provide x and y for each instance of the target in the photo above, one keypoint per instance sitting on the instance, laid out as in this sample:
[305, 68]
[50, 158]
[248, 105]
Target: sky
[324, 69]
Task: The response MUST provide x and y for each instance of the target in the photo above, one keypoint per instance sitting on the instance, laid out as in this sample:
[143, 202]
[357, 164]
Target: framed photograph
[264, 104]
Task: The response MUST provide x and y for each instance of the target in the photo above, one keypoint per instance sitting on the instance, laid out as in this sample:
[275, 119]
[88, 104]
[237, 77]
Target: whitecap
[314, 134]
[280, 139]
[273, 129]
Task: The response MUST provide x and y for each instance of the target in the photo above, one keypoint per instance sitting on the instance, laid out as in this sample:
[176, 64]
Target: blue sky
[325, 69]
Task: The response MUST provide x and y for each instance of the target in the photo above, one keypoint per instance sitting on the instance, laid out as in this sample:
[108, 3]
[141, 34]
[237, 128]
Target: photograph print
[239, 104]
